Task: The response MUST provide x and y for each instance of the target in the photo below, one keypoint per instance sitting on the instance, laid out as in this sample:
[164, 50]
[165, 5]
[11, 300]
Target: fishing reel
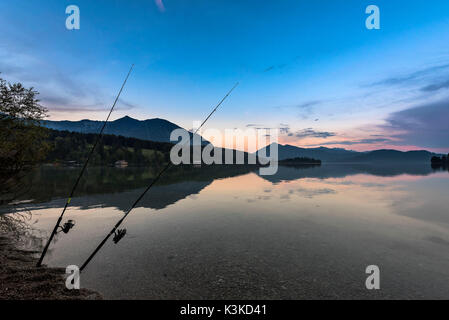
[118, 235]
[67, 226]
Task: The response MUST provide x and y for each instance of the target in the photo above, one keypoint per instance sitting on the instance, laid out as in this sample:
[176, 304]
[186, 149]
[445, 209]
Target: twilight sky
[308, 67]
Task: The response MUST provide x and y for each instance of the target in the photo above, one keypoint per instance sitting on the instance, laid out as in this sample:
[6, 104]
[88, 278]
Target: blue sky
[309, 67]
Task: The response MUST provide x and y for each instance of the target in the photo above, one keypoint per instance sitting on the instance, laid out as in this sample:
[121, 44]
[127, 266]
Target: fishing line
[121, 233]
[67, 226]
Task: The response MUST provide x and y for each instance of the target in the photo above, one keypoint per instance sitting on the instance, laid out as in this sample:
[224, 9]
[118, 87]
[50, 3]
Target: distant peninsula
[300, 161]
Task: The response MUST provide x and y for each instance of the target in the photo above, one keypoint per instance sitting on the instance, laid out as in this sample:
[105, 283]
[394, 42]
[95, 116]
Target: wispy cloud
[307, 105]
[436, 86]
[282, 65]
[310, 133]
[275, 67]
[160, 5]
[63, 105]
[355, 142]
[284, 129]
[59, 91]
[411, 77]
[306, 109]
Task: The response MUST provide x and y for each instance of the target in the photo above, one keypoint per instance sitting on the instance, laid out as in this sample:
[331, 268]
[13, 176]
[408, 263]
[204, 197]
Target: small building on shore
[121, 164]
[71, 163]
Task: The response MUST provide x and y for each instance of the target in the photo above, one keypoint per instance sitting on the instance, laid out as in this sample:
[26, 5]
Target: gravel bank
[20, 279]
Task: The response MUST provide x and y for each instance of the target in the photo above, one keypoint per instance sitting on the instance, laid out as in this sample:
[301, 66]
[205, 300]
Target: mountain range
[343, 155]
[151, 129]
[159, 130]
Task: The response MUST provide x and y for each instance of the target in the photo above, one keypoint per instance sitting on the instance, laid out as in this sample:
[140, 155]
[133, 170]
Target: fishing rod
[70, 224]
[121, 233]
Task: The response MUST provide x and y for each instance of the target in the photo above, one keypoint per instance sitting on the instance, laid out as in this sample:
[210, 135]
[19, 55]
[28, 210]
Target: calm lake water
[228, 233]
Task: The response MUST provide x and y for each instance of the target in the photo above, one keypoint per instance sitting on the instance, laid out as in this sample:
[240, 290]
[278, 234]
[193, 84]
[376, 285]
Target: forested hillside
[68, 146]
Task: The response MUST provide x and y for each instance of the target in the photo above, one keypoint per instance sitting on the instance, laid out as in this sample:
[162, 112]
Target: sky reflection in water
[304, 233]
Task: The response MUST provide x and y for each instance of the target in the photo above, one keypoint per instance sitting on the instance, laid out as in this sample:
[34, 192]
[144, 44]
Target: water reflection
[288, 173]
[51, 185]
[228, 233]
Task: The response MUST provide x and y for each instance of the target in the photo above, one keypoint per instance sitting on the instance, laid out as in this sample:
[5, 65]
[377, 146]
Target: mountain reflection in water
[51, 185]
[225, 232]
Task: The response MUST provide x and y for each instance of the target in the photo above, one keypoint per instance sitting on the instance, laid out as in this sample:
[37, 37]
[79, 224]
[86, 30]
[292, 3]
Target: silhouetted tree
[22, 138]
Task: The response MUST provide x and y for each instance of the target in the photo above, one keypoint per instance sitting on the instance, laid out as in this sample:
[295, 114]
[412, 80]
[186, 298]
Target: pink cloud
[160, 5]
